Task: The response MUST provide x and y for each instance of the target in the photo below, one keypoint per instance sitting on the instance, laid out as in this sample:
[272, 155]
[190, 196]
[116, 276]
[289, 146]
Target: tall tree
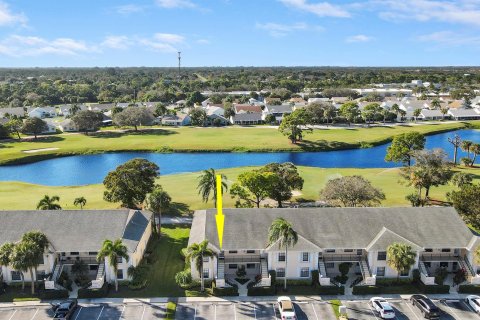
[460, 179]
[467, 202]
[23, 259]
[134, 117]
[281, 231]
[475, 151]
[195, 253]
[34, 126]
[87, 120]
[113, 250]
[80, 201]
[14, 126]
[199, 117]
[207, 184]
[456, 142]
[252, 187]
[40, 244]
[49, 203]
[157, 201]
[444, 111]
[349, 111]
[287, 179]
[416, 113]
[403, 145]
[6, 250]
[294, 125]
[465, 146]
[352, 191]
[400, 257]
[130, 182]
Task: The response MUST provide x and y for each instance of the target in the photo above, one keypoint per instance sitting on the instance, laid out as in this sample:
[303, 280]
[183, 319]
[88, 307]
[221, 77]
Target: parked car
[285, 305]
[426, 306]
[64, 310]
[474, 302]
[383, 308]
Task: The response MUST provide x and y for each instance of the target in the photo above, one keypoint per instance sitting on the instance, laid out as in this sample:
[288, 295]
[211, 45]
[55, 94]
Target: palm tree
[156, 201]
[465, 146]
[5, 253]
[456, 141]
[400, 257]
[81, 201]
[444, 111]
[395, 109]
[435, 103]
[475, 151]
[48, 203]
[195, 253]
[41, 241]
[207, 184]
[23, 259]
[416, 113]
[113, 250]
[281, 231]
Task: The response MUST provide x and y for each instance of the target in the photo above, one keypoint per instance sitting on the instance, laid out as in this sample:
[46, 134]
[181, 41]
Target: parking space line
[371, 310]
[451, 309]
[100, 313]
[411, 309]
[121, 313]
[234, 312]
[314, 312]
[14, 311]
[35, 314]
[254, 312]
[195, 314]
[80, 310]
[274, 311]
[215, 311]
[143, 312]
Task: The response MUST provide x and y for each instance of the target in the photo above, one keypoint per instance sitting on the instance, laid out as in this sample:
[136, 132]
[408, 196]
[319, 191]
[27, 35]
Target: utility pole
[179, 63]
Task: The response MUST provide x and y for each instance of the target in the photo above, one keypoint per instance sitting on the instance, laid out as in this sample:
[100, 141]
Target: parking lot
[451, 310]
[315, 310]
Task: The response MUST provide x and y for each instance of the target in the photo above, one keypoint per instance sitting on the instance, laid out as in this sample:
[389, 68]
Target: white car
[285, 305]
[383, 308]
[474, 302]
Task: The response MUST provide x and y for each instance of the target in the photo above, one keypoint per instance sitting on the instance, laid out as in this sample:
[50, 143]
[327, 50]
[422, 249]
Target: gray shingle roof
[76, 230]
[247, 117]
[432, 227]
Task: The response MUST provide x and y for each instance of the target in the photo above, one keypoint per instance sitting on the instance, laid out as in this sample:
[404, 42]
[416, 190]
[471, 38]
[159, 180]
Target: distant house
[215, 119]
[65, 110]
[176, 120]
[464, 114]
[456, 104]
[44, 112]
[101, 107]
[277, 111]
[317, 100]
[9, 112]
[211, 109]
[428, 114]
[247, 118]
[246, 108]
[340, 99]
[270, 100]
[67, 125]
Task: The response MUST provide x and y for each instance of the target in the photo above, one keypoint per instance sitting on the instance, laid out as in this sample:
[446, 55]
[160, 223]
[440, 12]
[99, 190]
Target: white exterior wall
[294, 263]
[212, 268]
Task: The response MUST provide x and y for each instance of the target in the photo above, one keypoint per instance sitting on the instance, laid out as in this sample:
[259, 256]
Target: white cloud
[8, 18]
[171, 4]
[280, 30]
[461, 11]
[203, 41]
[163, 42]
[169, 37]
[16, 45]
[321, 9]
[129, 9]
[359, 38]
[116, 42]
[449, 38]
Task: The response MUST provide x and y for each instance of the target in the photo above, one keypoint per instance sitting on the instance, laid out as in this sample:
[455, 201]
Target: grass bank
[182, 188]
[187, 139]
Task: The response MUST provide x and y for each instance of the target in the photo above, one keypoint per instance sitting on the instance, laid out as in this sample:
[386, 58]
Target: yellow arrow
[220, 218]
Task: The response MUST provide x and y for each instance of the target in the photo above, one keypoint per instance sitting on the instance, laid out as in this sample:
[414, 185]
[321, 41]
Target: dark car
[426, 306]
[64, 309]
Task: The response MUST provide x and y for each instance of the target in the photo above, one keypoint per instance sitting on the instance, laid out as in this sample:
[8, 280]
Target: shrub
[241, 272]
[440, 275]
[331, 290]
[53, 294]
[468, 288]
[364, 290]
[460, 276]
[85, 293]
[223, 292]
[183, 278]
[341, 279]
[344, 268]
[261, 291]
[315, 277]
[435, 289]
[416, 276]
[299, 282]
[138, 275]
[466, 161]
[273, 277]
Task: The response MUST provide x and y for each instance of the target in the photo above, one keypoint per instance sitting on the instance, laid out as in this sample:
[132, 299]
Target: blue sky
[44, 33]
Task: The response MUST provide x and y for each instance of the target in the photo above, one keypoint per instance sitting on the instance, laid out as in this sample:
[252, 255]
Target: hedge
[364, 290]
[93, 293]
[435, 289]
[331, 290]
[261, 291]
[469, 288]
[224, 292]
[53, 294]
[407, 288]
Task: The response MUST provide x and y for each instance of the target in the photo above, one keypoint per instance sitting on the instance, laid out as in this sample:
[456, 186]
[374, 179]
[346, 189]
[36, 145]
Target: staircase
[100, 271]
[322, 270]
[57, 271]
[364, 268]
[422, 268]
[264, 267]
[221, 267]
[465, 264]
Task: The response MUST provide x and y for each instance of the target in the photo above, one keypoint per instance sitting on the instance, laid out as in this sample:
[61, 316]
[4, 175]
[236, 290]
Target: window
[445, 250]
[380, 271]
[304, 272]
[93, 267]
[232, 266]
[359, 252]
[281, 272]
[250, 265]
[329, 265]
[330, 250]
[74, 253]
[305, 256]
[206, 273]
[41, 260]
[232, 251]
[347, 250]
[120, 274]
[63, 254]
[429, 250]
[382, 256]
[281, 256]
[404, 273]
[427, 264]
[92, 253]
[16, 276]
[41, 275]
[206, 259]
[443, 264]
[119, 259]
[250, 251]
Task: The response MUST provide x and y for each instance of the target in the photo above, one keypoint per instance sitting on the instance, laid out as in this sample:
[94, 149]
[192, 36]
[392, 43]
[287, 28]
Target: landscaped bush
[183, 278]
[331, 290]
[299, 282]
[315, 277]
[468, 288]
[434, 289]
[364, 290]
[223, 292]
[261, 291]
[440, 275]
[138, 275]
[86, 293]
[65, 281]
[53, 294]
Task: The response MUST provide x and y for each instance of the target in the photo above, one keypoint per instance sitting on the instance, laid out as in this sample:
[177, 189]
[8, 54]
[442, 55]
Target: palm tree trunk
[32, 282]
[455, 156]
[202, 285]
[159, 224]
[23, 280]
[286, 269]
[473, 160]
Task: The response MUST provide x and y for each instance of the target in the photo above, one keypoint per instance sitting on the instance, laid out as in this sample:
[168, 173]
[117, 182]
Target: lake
[89, 169]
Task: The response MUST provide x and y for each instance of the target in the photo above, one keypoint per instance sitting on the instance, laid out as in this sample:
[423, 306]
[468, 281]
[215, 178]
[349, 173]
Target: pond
[89, 169]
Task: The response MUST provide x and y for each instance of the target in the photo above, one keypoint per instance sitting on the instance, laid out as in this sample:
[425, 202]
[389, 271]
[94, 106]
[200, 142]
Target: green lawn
[187, 139]
[182, 188]
[166, 262]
